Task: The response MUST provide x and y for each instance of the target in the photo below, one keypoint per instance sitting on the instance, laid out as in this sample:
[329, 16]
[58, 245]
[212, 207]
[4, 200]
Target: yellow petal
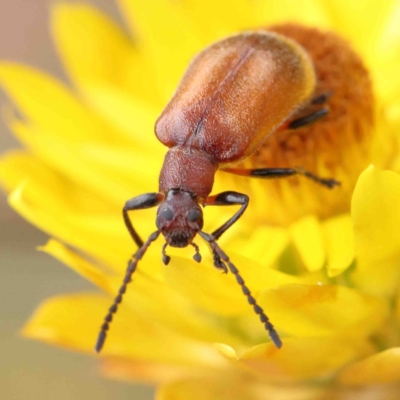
[73, 160]
[130, 115]
[262, 243]
[148, 371]
[53, 219]
[100, 53]
[380, 368]
[149, 297]
[362, 32]
[49, 104]
[96, 50]
[76, 263]
[385, 57]
[235, 386]
[390, 30]
[397, 307]
[310, 12]
[319, 310]
[305, 358]
[229, 385]
[129, 335]
[166, 38]
[339, 241]
[219, 293]
[71, 212]
[46, 185]
[376, 219]
[307, 237]
[13, 167]
[248, 237]
[205, 286]
[135, 170]
[223, 17]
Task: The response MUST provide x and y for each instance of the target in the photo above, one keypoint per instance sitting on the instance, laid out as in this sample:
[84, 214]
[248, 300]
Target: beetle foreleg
[226, 199]
[141, 202]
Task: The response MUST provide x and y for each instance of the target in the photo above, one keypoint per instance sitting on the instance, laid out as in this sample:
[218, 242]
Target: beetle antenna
[252, 301]
[128, 277]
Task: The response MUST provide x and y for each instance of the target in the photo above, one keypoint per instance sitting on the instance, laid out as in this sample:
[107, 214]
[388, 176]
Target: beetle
[233, 95]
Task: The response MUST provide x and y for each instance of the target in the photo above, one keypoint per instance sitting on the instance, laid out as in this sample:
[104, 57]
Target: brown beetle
[233, 95]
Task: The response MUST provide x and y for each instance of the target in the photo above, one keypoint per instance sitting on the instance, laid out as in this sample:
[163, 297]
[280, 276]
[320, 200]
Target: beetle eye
[193, 215]
[166, 214]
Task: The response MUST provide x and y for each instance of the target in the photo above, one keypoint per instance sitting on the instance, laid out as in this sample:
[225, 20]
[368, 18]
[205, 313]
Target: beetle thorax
[188, 169]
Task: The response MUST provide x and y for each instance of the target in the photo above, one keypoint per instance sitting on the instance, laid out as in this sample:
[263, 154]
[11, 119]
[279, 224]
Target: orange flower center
[335, 146]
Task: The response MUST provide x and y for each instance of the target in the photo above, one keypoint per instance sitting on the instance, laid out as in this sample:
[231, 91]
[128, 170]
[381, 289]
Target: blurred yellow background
[28, 369]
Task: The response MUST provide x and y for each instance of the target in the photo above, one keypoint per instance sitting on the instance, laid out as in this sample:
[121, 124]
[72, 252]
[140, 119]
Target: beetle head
[179, 218]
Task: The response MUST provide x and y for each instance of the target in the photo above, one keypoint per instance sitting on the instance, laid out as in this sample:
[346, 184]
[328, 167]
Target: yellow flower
[328, 279]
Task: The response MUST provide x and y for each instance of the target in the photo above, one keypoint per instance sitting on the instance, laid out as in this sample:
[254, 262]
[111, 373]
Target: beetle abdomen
[235, 93]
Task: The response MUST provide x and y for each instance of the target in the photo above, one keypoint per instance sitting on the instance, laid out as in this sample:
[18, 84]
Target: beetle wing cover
[235, 93]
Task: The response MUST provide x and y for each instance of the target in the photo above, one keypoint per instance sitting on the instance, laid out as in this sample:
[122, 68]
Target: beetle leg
[303, 121]
[141, 202]
[226, 199]
[321, 98]
[312, 116]
[271, 173]
[307, 119]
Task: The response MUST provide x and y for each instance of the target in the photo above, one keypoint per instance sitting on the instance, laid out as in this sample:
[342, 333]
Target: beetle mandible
[233, 95]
